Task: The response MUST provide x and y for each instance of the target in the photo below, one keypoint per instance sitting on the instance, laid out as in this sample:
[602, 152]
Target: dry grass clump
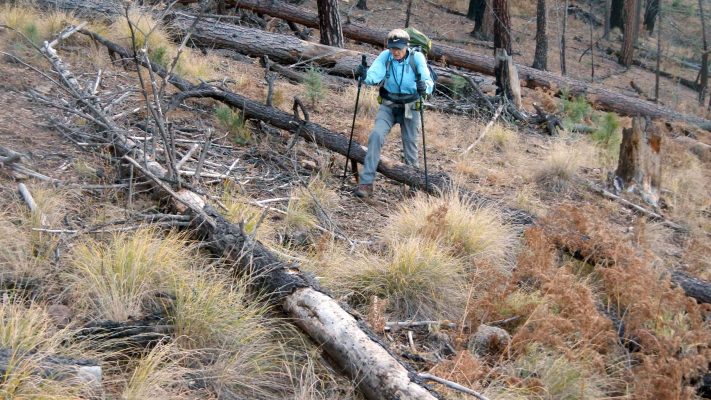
[17, 255]
[417, 278]
[153, 36]
[157, 375]
[560, 166]
[310, 205]
[116, 279]
[465, 229]
[35, 25]
[240, 211]
[689, 185]
[28, 334]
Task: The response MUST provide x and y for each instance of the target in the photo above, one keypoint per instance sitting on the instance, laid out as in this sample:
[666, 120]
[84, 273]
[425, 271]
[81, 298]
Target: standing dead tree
[540, 59]
[704, 73]
[627, 51]
[640, 165]
[329, 23]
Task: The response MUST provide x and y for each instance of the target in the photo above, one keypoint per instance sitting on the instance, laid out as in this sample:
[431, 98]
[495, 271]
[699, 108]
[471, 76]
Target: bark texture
[329, 23]
[540, 59]
[502, 26]
[640, 164]
[627, 50]
[704, 75]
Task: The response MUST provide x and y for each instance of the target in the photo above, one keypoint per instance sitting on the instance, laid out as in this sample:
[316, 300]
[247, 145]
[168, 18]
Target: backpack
[419, 42]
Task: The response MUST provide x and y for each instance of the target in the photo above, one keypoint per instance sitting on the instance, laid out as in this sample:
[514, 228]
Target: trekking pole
[350, 140]
[424, 146]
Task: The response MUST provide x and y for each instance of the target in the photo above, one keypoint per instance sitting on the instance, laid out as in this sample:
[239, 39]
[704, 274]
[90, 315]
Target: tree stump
[507, 79]
[640, 168]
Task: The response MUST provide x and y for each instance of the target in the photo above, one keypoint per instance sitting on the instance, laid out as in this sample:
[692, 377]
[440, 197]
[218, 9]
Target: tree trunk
[562, 39]
[329, 23]
[617, 14]
[502, 26]
[502, 46]
[483, 19]
[627, 51]
[650, 15]
[659, 53]
[592, 45]
[608, 6]
[640, 165]
[361, 5]
[540, 60]
[704, 76]
[637, 20]
[475, 11]
[408, 13]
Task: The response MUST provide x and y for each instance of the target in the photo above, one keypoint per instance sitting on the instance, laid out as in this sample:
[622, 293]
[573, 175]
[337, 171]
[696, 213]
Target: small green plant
[459, 86]
[234, 122]
[575, 109]
[32, 33]
[160, 56]
[314, 86]
[608, 137]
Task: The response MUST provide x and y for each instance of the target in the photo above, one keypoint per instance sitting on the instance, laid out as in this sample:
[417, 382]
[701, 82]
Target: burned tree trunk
[650, 14]
[562, 39]
[502, 26]
[361, 5]
[502, 47]
[704, 75]
[606, 24]
[86, 372]
[640, 165]
[540, 59]
[329, 23]
[480, 11]
[627, 51]
[617, 14]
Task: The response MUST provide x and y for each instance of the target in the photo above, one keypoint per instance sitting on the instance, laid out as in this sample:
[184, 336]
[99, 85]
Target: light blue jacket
[402, 77]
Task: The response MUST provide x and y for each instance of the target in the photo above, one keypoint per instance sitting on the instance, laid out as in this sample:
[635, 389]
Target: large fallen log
[600, 97]
[357, 351]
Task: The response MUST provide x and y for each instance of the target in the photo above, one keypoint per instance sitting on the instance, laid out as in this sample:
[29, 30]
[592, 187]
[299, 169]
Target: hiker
[400, 95]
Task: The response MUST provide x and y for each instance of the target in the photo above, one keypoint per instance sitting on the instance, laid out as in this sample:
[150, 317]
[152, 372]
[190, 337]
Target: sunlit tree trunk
[329, 23]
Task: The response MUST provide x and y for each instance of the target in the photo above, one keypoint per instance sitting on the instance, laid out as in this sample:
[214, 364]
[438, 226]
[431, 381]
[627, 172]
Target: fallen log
[85, 372]
[350, 343]
[602, 98]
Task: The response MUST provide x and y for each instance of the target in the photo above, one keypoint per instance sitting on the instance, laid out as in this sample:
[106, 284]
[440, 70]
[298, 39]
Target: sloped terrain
[577, 305]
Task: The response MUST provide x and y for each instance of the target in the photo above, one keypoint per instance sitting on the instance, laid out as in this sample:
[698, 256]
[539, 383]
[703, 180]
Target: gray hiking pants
[385, 119]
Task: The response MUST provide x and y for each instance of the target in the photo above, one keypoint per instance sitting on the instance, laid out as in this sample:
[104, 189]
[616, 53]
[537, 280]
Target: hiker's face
[398, 54]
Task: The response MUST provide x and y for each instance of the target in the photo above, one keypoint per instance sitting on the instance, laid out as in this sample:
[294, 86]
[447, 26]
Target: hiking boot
[364, 191]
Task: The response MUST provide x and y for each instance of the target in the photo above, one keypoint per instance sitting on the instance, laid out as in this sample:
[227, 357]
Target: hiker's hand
[421, 88]
[361, 72]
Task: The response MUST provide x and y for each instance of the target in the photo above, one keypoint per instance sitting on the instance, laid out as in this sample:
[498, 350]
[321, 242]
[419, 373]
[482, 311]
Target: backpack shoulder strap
[388, 63]
[413, 66]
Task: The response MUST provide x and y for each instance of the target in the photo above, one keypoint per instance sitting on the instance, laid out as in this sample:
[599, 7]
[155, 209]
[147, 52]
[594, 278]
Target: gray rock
[488, 340]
